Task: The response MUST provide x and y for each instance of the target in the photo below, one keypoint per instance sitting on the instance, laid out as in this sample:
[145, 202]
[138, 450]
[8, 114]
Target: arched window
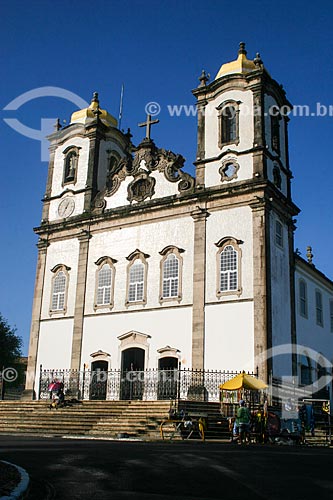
[229, 269]
[228, 123]
[71, 164]
[322, 368]
[306, 370]
[136, 282]
[104, 282]
[275, 131]
[170, 276]
[113, 159]
[171, 273]
[319, 308]
[229, 131]
[104, 285]
[277, 179]
[228, 256]
[59, 289]
[137, 278]
[279, 234]
[303, 298]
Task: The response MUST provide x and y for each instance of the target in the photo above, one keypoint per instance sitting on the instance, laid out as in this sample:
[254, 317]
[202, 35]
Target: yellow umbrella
[243, 381]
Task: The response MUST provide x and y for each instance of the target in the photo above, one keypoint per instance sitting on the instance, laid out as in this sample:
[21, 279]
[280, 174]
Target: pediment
[134, 336]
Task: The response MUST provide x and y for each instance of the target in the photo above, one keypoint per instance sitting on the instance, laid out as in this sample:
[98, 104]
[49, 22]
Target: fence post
[2, 392]
[40, 380]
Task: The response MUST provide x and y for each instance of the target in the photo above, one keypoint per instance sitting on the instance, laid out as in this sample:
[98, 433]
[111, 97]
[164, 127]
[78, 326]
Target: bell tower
[82, 156]
[242, 154]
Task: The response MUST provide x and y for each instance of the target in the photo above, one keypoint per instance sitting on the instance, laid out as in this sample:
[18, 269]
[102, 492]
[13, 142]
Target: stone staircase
[138, 419]
[112, 419]
[89, 418]
[319, 438]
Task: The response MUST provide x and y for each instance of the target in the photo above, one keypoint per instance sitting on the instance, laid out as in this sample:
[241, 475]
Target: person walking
[243, 422]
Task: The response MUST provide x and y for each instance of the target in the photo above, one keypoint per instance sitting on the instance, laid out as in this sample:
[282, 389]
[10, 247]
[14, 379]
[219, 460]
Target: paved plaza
[93, 469]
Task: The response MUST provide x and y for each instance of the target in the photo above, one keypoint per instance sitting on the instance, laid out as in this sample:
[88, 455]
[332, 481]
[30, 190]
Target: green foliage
[10, 345]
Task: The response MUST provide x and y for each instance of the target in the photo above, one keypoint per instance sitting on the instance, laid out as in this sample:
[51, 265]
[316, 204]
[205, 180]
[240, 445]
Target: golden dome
[241, 65]
[87, 114]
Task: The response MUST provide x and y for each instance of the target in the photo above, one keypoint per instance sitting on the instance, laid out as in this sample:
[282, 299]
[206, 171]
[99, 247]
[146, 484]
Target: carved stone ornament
[99, 203]
[148, 158]
[141, 187]
[229, 170]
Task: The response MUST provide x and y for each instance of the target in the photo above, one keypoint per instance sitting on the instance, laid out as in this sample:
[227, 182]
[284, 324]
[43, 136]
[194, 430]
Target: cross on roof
[148, 125]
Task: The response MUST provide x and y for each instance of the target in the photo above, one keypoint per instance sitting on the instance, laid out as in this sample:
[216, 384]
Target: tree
[10, 345]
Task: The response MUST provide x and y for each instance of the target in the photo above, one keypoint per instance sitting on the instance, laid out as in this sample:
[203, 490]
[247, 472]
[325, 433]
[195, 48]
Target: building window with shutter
[137, 278]
[171, 274]
[319, 308]
[105, 278]
[59, 288]
[303, 298]
[228, 116]
[228, 265]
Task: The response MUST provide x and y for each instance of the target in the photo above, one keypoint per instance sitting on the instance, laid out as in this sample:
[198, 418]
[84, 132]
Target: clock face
[66, 207]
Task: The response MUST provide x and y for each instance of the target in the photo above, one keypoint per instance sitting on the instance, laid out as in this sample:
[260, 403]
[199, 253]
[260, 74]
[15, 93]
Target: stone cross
[148, 125]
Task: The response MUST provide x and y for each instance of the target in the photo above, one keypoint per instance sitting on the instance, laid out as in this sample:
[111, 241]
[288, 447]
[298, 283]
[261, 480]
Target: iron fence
[151, 384]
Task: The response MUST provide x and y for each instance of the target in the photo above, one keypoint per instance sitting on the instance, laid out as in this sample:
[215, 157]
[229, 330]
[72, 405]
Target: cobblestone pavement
[92, 469]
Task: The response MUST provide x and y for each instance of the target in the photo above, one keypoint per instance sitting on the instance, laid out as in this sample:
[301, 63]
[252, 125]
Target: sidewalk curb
[21, 487]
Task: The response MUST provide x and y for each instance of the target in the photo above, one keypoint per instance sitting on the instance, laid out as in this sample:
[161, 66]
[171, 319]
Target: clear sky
[157, 49]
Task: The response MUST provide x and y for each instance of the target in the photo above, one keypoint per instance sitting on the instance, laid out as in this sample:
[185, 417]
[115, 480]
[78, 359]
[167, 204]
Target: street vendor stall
[243, 386]
[246, 388]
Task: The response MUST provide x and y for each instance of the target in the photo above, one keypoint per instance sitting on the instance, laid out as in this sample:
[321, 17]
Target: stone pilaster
[28, 393]
[91, 184]
[48, 191]
[293, 336]
[259, 160]
[200, 167]
[261, 290]
[199, 283]
[80, 300]
[285, 121]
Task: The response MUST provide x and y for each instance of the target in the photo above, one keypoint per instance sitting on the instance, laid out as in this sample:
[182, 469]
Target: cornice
[312, 270]
[188, 202]
[255, 80]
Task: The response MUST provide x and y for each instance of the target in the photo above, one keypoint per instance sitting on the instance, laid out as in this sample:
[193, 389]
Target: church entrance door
[99, 379]
[132, 373]
[167, 378]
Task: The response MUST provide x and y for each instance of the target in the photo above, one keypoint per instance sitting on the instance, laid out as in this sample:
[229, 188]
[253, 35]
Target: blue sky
[157, 49]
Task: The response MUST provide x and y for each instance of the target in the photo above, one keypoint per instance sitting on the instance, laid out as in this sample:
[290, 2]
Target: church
[143, 267]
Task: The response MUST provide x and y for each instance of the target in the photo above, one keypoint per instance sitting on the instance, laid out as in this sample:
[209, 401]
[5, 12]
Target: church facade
[142, 266]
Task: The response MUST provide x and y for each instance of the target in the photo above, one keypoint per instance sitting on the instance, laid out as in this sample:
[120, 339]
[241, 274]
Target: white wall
[55, 343]
[162, 188]
[281, 301]
[309, 333]
[229, 341]
[172, 327]
[61, 252]
[246, 134]
[103, 166]
[245, 171]
[270, 104]
[58, 174]
[150, 238]
[237, 223]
